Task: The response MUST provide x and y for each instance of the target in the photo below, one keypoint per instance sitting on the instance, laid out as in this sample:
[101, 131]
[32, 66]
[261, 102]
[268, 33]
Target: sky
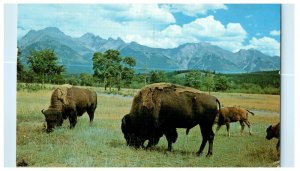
[230, 26]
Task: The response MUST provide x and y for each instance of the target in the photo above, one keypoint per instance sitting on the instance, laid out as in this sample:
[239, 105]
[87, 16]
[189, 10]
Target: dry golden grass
[102, 144]
[107, 106]
[250, 101]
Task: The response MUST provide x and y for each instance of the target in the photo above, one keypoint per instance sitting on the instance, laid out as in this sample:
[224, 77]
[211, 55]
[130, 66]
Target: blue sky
[230, 26]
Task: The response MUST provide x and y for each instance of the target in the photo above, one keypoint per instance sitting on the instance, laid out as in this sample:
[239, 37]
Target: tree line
[109, 67]
[111, 70]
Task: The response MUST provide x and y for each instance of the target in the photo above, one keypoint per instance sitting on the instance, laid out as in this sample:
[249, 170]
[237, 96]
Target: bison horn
[43, 111]
[124, 121]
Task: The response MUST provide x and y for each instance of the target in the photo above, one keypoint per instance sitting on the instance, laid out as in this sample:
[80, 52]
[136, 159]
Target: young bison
[273, 131]
[227, 115]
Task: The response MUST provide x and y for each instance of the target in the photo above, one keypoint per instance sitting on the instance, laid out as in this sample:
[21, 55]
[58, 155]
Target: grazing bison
[69, 103]
[273, 131]
[158, 109]
[227, 115]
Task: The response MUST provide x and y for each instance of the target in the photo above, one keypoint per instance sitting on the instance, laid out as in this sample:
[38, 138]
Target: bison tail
[219, 104]
[250, 112]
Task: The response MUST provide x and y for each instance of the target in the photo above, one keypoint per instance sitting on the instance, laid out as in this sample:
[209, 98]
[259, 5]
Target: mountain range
[76, 54]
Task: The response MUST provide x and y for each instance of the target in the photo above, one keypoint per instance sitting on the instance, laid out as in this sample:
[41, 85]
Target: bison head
[270, 132]
[130, 133]
[53, 118]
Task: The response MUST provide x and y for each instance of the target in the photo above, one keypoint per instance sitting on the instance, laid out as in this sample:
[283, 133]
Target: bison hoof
[209, 154]
[199, 153]
[48, 131]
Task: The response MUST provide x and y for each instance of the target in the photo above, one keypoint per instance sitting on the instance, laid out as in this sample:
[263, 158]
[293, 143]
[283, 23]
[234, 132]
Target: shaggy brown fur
[69, 103]
[227, 115]
[160, 108]
[176, 88]
[61, 93]
[57, 99]
[273, 131]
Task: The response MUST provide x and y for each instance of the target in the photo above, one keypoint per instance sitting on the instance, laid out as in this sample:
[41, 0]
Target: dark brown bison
[158, 109]
[69, 103]
[273, 131]
[227, 115]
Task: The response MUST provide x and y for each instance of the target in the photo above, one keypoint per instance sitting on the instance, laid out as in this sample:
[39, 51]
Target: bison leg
[155, 136]
[91, 115]
[204, 139]
[211, 143]
[218, 128]
[249, 126]
[242, 127]
[207, 135]
[152, 142]
[61, 121]
[171, 135]
[228, 128]
[278, 148]
[73, 119]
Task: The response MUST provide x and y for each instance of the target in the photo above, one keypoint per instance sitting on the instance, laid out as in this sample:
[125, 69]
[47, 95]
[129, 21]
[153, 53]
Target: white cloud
[206, 29]
[148, 12]
[266, 45]
[152, 25]
[147, 24]
[195, 9]
[275, 32]
[104, 20]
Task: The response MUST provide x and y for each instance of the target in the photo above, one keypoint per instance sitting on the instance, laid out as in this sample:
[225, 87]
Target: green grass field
[102, 144]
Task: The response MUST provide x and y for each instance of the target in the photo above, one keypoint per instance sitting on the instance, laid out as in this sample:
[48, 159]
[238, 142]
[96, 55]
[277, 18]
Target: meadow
[101, 144]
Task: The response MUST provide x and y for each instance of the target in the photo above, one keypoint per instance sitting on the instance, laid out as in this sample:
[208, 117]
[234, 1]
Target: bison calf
[227, 115]
[69, 103]
[273, 131]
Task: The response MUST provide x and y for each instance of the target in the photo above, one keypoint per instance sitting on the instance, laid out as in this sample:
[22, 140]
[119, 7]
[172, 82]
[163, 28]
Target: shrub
[30, 87]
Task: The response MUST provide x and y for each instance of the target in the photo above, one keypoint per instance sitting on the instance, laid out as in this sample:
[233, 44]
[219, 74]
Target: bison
[227, 115]
[158, 109]
[273, 131]
[69, 102]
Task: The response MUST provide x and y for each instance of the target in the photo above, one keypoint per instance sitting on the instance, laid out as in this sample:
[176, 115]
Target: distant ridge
[76, 54]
